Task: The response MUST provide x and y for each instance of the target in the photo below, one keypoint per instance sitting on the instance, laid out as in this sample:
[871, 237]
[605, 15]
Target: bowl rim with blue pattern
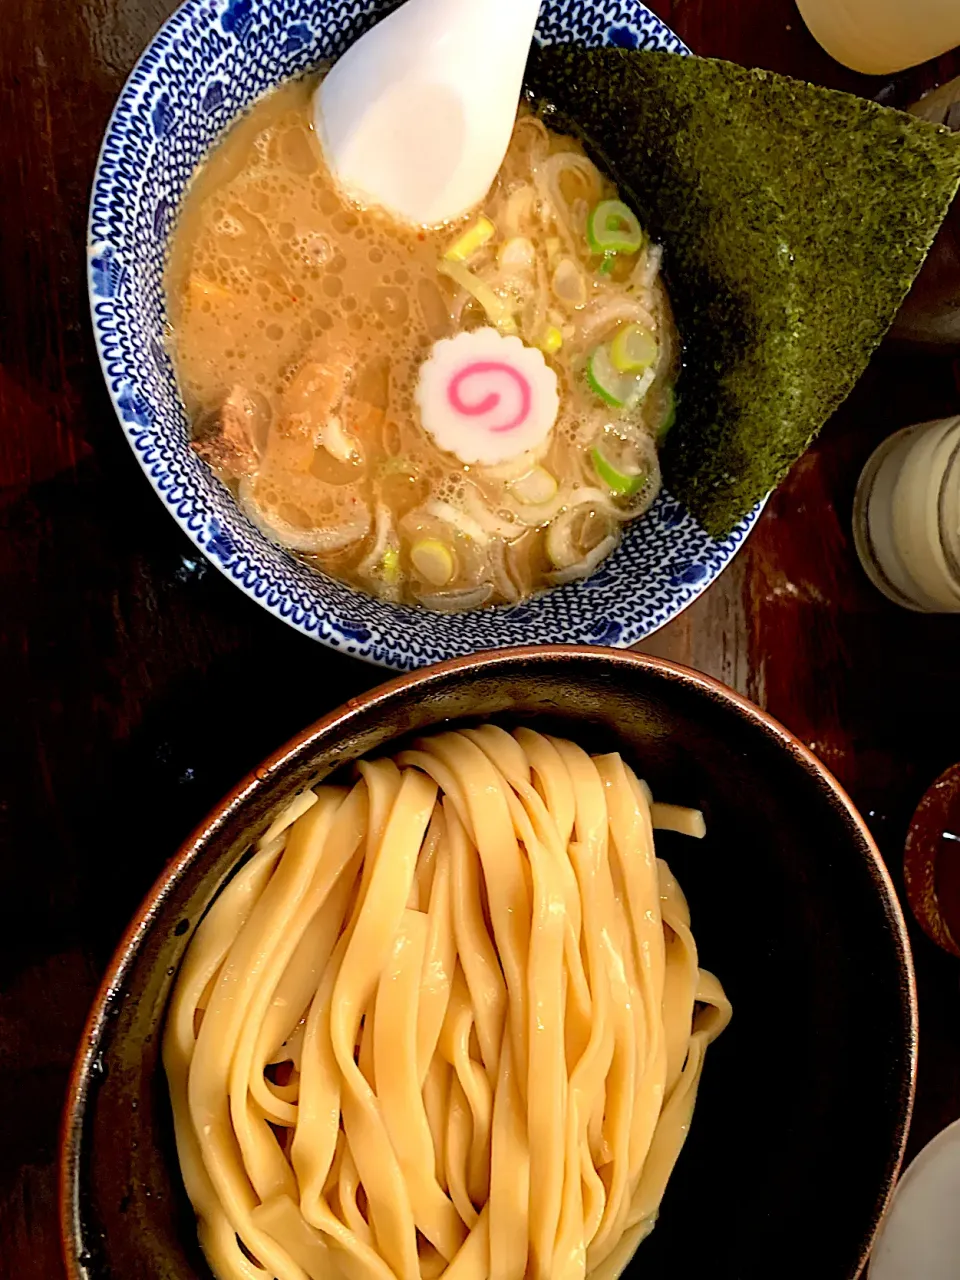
[208, 63]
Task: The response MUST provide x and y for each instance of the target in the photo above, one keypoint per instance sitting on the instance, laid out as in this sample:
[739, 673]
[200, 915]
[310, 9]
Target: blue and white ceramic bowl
[205, 67]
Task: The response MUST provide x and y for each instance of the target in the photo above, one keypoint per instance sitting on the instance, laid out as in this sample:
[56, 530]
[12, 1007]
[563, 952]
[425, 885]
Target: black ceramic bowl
[806, 1099]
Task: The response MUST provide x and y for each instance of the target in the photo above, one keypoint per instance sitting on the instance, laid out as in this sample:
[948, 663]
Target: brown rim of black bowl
[79, 1082]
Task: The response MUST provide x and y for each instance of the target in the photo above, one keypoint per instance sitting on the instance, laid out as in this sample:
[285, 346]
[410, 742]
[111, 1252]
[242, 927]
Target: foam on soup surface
[321, 353]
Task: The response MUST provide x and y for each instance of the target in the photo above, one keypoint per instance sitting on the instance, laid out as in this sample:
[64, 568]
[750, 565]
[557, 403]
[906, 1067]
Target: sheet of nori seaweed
[794, 220]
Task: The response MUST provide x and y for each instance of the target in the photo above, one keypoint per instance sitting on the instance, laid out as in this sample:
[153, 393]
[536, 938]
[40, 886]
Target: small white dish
[920, 1236]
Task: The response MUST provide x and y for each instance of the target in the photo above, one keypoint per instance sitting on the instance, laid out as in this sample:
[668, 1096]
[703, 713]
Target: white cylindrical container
[906, 517]
[881, 36]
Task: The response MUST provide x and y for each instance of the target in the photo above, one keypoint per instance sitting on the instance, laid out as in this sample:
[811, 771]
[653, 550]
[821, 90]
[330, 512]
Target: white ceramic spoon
[417, 116]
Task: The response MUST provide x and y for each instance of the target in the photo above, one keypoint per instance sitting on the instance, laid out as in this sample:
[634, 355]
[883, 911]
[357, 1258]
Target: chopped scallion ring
[605, 381]
[613, 228]
[433, 560]
[634, 349]
[391, 565]
[670, 419]
[472, 241]
[552, 341]
[618, 482]
[535, 489]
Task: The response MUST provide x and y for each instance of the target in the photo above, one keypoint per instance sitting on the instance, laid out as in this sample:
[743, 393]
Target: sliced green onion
[613, 228]
[433, 560]
[498, 312]
[552, 341]
[536, 488]
[634, 349]
[518, 254]
[608, 264]
[607, 382]
[568, 284]
[472, 241]
[618, 482]
[670, 419]
[390, 565]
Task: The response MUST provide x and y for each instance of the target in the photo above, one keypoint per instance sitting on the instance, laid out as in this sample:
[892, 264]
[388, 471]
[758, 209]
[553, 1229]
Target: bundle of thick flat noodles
[447, 1022]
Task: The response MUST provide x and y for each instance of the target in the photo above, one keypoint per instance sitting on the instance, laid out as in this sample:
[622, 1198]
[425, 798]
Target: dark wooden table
[126, 663]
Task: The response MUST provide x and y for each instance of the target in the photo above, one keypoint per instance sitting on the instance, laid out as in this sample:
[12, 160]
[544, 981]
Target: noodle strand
[447, 1024]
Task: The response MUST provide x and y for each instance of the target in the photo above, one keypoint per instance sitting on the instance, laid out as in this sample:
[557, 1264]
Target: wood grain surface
[136, 685]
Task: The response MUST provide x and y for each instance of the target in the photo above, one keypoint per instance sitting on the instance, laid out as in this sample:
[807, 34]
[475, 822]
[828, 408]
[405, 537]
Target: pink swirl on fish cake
[492, 401]
[487, 397]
